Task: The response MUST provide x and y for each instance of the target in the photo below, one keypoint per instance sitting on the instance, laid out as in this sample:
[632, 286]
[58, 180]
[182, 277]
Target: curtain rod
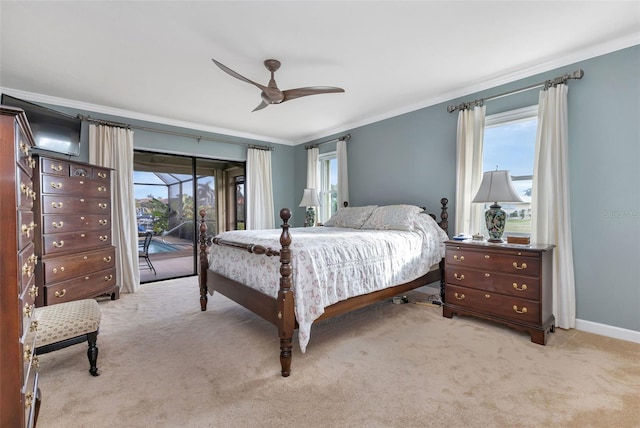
[547, 84]
[176, 133]
[345, 137]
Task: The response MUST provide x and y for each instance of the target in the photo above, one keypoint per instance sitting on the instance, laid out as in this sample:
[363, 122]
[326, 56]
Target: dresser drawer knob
[458, 277]
[523, 311]
[458, 259]
[60, 293]
[58, 244]
[523, 266]
[459, 296]
[33, 291]
[27, 310]
[522, 288]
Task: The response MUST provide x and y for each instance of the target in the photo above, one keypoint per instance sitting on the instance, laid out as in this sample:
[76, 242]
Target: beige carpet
[164, 363]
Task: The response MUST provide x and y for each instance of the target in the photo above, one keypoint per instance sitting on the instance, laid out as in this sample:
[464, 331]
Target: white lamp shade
[309, 198]
[496, 186]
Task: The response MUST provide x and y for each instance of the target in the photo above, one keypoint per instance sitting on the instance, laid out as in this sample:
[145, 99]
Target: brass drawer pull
[32, 162]
[515, 265]
[102, 175]
[487, 296]
[103, 205]
[523, 311]
[458, 259]
[28, 400]
[33, 292]
[458, 296]
[103, 222]
[58, 225]
[103, 237]
[33, 259]
[102, 189]
[55, 270]
[26, 269]
[58, 245]
[35, 363]
[458, 277]
[27, 310]
[106, 259]
[24, 148]
[56, 185]
[108, 277]
[524, 286]
[56, 168]
[60, 293]
[487, 256]
[27, 353]
[33, 326]
[56, 204]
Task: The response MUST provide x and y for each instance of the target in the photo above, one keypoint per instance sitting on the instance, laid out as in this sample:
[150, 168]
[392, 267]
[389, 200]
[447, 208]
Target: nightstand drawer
[515, 285]
[516, 262]
[496, 304]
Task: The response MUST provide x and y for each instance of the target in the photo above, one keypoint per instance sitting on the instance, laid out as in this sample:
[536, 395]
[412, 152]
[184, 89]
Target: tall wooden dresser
[77, 258]
[19, 395]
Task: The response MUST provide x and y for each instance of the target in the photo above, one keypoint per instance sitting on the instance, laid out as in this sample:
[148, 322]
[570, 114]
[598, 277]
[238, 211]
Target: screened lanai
[164, 187]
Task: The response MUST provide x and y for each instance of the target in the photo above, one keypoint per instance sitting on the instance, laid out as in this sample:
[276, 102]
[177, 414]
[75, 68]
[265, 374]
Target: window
[328, 168]
[509, 143]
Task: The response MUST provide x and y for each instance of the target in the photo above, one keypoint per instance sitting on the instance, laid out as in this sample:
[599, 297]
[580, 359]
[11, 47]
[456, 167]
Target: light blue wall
[411, 159]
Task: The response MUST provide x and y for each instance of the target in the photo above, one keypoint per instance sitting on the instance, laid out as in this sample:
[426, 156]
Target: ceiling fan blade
[260, 106]
[291, 94]
[236, 75]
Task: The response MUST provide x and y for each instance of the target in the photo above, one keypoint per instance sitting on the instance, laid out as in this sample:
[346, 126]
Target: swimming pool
[156, 247]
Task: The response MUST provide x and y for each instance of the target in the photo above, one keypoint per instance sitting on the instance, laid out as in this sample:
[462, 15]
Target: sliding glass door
[170, 191]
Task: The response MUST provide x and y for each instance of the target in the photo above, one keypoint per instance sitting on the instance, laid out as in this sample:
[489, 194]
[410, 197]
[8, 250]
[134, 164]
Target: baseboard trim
[608, 330]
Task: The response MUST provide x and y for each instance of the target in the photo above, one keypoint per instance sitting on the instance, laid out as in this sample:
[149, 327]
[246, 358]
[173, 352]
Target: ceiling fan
[270, 93]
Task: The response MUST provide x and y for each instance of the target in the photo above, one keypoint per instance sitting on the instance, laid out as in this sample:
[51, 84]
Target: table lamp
[310, 200]
[496, 186]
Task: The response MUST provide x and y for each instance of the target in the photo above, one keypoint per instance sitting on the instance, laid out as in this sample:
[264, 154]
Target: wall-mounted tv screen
[52, 130]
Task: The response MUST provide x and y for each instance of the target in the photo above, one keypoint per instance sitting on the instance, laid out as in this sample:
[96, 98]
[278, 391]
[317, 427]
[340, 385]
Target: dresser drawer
[64, 268]
[27, 261]
[515, 285]
[25, 191]
[54, 204]
[52, 184]
[27, 307]
[498, 305]
[88, 285]
[61, 243]
[58, 223]
[516, 262]
[54, 166]
[26, 228]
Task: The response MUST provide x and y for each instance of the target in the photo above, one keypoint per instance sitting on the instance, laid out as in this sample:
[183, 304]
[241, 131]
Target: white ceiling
[152, 60]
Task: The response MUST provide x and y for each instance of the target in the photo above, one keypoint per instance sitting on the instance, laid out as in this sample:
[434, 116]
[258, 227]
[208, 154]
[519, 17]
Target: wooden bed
[280, 311]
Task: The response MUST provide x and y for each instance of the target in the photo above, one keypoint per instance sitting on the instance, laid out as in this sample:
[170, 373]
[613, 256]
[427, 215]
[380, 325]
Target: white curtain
[470, 137]
[313, 155]
[343, 173]
[551, 219]
[259, 194]
[112, 147]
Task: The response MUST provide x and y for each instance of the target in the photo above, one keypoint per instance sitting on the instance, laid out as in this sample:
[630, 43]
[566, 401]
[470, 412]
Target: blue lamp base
[496, 219]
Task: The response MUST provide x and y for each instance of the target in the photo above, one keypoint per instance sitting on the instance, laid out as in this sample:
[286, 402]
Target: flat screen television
[52, 130]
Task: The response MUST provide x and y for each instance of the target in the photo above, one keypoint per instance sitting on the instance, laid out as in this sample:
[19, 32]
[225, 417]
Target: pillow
[392, 217]
[351, 217]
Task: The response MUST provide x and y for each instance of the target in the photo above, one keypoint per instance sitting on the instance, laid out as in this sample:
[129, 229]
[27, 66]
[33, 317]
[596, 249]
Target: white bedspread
[331, 264]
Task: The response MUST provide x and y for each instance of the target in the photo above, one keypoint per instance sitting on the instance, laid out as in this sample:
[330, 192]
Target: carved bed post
[444, 224]
[204, 261]
[286, 316]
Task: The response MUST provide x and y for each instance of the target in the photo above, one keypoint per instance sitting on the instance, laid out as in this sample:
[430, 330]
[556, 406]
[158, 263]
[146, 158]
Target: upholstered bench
[67, 324]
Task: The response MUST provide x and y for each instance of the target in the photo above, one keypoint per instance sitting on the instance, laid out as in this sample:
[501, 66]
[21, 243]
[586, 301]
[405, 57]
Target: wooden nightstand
[510, 284]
